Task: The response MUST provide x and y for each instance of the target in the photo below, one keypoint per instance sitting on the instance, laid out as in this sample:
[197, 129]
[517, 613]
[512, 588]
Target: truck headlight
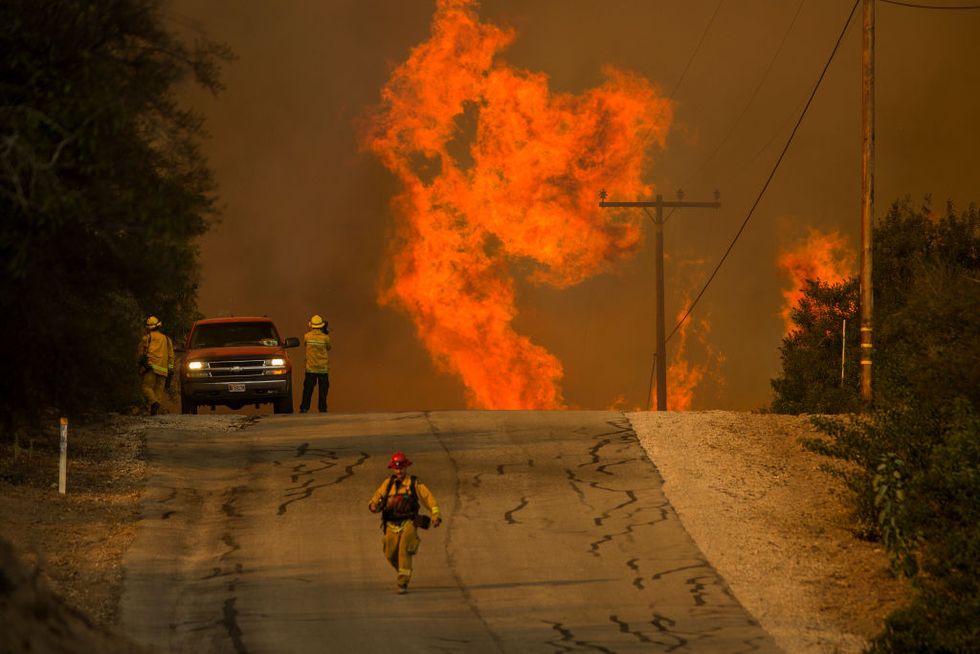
[195, 365]
[277, 362]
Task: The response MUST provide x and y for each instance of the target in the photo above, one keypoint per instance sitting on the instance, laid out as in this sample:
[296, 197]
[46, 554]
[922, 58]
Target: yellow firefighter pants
[401, 542]
[153, 387]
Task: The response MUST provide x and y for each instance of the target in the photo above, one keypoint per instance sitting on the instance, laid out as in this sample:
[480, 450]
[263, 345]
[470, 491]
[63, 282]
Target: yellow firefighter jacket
[317, 345]
[426, 498]
[159, 351]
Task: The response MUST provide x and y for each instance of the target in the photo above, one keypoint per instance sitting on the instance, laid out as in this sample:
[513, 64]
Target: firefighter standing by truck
[317, 365]
[156, 364]
[399, 500]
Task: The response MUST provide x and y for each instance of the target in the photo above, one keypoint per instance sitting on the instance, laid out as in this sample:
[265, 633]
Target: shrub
[103, 193]
[914, 458]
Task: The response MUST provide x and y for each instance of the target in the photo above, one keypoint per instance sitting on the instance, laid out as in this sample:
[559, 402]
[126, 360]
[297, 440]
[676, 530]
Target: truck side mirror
[292, 341]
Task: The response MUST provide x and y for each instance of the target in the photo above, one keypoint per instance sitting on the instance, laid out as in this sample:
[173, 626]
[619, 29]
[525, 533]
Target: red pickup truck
[234, 362]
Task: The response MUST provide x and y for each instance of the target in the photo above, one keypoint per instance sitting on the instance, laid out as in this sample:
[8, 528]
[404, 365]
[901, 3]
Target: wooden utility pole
[659, 203]
[867, 192]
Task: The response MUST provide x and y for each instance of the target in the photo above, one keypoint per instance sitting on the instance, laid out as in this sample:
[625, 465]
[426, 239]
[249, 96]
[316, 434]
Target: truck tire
[283, 405]
[187, 406]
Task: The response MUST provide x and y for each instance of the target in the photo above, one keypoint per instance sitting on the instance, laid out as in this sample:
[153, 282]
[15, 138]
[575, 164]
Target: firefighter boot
[404, 576]
[154, 408]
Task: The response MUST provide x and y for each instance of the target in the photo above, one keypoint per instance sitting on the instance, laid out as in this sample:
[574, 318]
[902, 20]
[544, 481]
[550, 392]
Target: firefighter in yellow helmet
[317, 342]
[399, 500]
[156, 363]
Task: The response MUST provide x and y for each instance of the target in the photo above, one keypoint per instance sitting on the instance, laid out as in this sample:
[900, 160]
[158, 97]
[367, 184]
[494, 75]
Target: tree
[103, 192]
[914, 459]
[811, 380]
[927, 335]
[927, 306]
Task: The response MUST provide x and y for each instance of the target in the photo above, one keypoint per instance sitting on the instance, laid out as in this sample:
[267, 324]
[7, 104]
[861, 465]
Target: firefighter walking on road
[399, 500]
[156, 364]
[317, 365]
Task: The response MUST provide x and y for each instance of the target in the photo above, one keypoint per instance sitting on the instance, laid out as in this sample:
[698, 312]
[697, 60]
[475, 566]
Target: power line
[697, 48]
[915, 5]
[755, 92]
[772, 173]
[731, 129]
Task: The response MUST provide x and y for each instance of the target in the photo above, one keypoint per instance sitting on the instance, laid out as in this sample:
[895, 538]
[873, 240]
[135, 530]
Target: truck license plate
[236, 388]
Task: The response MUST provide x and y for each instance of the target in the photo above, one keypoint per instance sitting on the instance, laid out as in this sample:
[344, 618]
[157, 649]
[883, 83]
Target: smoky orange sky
[308, 214]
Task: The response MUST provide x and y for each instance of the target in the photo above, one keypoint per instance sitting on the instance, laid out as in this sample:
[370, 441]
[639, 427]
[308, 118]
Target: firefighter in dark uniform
[399, 499]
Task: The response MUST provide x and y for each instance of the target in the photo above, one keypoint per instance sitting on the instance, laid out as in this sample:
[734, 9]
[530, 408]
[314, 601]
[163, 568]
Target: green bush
[103, 194]
[942, 616]
[811, 354]
[914, 457]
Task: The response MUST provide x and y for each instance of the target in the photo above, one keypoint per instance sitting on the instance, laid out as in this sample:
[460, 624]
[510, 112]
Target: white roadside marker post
[63, 464]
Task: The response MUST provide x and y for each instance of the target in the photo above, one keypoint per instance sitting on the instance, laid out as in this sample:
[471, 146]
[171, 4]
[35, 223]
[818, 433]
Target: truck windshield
[230, 334]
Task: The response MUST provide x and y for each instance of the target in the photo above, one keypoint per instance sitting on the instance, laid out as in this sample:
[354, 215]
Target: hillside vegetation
[915, 478]
[103, 194]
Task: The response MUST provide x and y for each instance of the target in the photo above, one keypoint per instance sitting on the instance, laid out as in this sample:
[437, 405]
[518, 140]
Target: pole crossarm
[660, 204]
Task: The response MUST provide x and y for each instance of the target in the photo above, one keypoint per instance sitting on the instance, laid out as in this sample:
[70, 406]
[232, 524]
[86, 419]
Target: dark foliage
[811, 380]
[102, 192]
[917, 451]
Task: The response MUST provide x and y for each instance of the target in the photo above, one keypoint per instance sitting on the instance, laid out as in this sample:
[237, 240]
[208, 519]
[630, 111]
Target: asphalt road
[557, 538]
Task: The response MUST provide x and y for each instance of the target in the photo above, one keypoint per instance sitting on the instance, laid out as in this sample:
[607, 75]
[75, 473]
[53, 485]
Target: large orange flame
[520, 187]
[826, 257]
[684, 375]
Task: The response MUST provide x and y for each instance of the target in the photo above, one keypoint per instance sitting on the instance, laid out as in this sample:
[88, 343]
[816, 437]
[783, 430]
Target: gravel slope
[773, 524]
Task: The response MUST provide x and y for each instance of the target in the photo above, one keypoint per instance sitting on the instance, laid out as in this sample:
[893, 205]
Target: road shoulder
[773, 524]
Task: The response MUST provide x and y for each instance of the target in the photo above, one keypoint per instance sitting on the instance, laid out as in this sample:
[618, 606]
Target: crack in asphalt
[697, 589]
[572, 481]
[307, 488]
[230, 623]
[567, 636]
[665, 626]
[166, 515]
[217, 573]
[624, 627]
[509, 515]
[228, 507]
[450, 554]
[634, 565]
[608, 514]
[623, 436]
[229, 611]
[697, 566]
[233, 545]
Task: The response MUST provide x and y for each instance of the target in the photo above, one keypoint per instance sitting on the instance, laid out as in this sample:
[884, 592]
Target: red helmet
[399, 460]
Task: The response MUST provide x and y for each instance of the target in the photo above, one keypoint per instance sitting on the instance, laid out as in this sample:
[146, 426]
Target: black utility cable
[915, 5]
[758, 87]
[697, 48]
[755, 92]
[772, 173]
